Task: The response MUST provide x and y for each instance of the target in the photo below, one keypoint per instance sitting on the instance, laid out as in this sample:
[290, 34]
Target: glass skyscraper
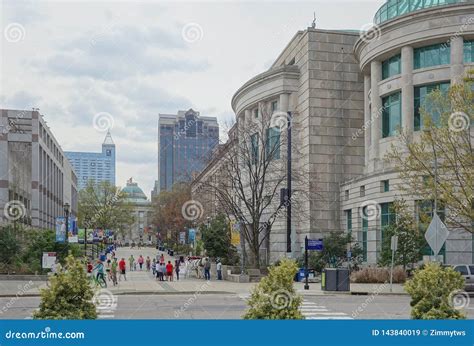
[185, 143]
[94, 166]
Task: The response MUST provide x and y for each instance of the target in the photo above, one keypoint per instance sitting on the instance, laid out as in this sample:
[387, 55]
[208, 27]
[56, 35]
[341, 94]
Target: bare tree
[252, 169]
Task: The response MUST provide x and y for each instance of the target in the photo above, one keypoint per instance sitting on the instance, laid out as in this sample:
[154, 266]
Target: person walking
[122, 265]
[169, 271]
[148, 263]
[207, 270]
[162, 271]
[176, 269]
[153, 266]
[140, 262]
[113, 271]
[131, 262]
[162, 258]
[99, 267]
[158, 271]
[219, 269]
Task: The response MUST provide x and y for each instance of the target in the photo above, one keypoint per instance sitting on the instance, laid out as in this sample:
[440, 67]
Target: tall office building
[94, 166]
[36, 180]
[185, 143]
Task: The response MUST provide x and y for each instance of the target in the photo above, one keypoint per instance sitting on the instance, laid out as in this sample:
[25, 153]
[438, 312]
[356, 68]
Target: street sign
[394, 243]
[315, 244]
[436, 234]
[49, 258]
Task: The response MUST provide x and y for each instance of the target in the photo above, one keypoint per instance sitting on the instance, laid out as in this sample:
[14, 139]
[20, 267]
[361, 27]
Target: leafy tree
[168, 211]
[217, 240]
[432, 290]
[334, 252]
[9, 245]
[274, 297]
[104, 206]
[69, 295]
[447, 138]
[410, 239]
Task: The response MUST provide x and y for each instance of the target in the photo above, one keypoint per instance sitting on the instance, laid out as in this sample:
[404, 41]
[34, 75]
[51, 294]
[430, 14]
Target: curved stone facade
[442, 29]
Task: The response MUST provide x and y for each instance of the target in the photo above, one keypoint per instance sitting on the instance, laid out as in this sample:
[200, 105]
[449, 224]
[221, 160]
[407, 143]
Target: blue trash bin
[301, 274]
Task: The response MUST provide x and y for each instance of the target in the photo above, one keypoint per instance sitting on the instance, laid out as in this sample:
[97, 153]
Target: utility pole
[288, 190]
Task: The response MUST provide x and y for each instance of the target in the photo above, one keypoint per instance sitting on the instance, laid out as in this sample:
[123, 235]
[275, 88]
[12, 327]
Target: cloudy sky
[83, 63]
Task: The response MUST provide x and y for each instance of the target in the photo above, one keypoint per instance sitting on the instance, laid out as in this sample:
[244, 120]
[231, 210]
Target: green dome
[134, 193]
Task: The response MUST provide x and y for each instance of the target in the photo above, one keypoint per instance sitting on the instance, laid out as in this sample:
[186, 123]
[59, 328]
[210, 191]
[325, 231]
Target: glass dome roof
[395, 8]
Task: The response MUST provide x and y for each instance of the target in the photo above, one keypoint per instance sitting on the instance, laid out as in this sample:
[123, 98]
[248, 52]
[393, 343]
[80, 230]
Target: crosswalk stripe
[303, 311]
[329, 318]
[325, 314]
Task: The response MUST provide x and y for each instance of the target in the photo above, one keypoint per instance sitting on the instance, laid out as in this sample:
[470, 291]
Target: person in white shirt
[219, 269]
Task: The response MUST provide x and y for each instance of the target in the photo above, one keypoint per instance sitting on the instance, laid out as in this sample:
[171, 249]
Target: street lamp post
[288, 191]
[66, 214]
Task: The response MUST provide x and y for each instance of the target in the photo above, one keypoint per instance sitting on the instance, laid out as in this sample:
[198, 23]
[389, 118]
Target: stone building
[36, 178]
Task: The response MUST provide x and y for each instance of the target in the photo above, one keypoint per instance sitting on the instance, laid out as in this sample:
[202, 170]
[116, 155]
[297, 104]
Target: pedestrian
[131, 262]
[113, 271]
[99, 267]
[207, 269]
[162, 271]
[148, 263]
[122, 266]
[159, 271]
[162, 258]
[219, 269]
[176, 269]
[140, 262]
[107, 269]
[169, 271]
[153, 266]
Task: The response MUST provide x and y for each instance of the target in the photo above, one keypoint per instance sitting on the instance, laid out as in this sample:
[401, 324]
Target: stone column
[407, 89]
[284, 103]
[457, 67]
[366, 117]
[247, 116]
[376, 114]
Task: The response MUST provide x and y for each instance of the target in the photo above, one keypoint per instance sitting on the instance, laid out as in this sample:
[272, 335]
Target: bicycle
[97, 282]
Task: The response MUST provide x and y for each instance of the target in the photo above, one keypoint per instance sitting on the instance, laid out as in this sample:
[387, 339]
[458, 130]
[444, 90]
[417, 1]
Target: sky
[90, 66]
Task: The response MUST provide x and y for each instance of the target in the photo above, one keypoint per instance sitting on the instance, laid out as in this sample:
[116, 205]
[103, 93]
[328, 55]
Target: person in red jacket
[169, 271]
[122, 265]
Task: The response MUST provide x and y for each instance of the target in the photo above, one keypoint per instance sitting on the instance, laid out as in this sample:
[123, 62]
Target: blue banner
[61, 229]
[191, 235]
[236, 332]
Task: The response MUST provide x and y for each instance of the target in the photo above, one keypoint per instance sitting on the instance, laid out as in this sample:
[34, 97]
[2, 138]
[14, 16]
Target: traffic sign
[315, 244]
[436, 234]
[394, 243]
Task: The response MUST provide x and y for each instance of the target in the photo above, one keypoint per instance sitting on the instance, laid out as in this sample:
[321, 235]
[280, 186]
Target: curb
[163, 293]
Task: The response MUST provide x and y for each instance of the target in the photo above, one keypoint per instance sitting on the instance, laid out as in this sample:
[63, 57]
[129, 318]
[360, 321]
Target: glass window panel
[468, 51]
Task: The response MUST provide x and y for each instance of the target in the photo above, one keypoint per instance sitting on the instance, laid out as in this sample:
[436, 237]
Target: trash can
[301, 274]
[335, 279]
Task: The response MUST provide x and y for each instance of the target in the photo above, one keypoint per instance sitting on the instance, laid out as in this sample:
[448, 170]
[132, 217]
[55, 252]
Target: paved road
[231, 306]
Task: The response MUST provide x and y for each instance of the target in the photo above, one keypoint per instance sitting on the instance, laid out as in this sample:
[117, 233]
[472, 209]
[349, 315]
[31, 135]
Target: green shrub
[69, 295]
[431, 291]
[274, 297]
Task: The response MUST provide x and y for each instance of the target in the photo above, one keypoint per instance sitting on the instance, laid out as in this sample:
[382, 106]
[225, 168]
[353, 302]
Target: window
[391, 114]
[254, 144]
[468, 51]
[461, 270]
[348, 220]
[273, 143]
[419, 102]
[438, 54]
[362, 191]
[346, 194]
[365, 229]
[255, 113]
[391, 67]
[274, 106]
[385, 186]
[387, 217]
